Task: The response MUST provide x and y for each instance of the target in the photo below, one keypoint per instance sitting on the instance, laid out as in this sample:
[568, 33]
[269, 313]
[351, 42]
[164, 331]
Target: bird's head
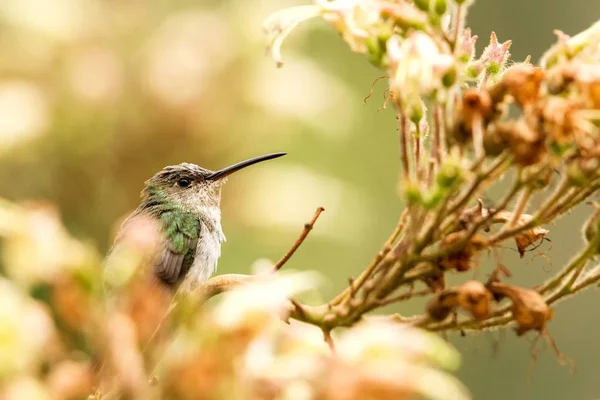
[191, 186]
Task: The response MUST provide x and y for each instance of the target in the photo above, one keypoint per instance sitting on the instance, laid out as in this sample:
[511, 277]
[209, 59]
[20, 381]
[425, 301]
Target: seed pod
[442, 305]
[436, 282]
[460, 260]
[472, 296]
[475, 104]
[525, 143]
[529, 309]
[475, 298]
[523, 82]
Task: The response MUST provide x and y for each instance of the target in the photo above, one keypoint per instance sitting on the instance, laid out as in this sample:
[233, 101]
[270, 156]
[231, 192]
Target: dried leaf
[528, 238]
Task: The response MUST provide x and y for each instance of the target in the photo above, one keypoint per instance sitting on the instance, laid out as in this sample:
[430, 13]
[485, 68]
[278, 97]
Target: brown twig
[222, 283]
[387, 247]
[328, 339]
[307, 228]
[404, 296]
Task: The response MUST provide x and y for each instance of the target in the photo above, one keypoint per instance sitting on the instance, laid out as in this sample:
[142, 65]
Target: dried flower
[475, 298]
[461, 259]
[472, 296]
[474, 111]
[523, 83]
[529, 308]
[525, 143]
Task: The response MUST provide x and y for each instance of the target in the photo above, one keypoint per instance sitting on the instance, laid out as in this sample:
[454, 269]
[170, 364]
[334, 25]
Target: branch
[387, 247]
[222, 283]
[307, 228]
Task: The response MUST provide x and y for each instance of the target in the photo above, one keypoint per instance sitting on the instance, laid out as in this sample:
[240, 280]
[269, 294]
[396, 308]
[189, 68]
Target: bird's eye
[184, 182]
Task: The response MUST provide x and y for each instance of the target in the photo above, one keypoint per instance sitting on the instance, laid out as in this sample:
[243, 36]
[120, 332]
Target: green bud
[412, 192]
[473, 71]
[434, 198]
[435, 20]
[449, 175]
[464, 58]
[415, 111]
[591, 228]
[375, 50]
[493, 68]
[422, 4]
[449, 79]
[440, 7]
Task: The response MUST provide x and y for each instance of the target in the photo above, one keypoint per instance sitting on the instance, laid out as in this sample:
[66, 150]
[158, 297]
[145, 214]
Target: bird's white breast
[208, 249]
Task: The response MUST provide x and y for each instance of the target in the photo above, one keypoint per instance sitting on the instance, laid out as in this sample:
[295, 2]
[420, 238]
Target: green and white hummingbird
[184, 200]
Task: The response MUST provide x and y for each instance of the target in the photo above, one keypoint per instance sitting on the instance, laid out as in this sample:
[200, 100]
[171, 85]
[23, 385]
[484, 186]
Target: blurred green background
[96, 96]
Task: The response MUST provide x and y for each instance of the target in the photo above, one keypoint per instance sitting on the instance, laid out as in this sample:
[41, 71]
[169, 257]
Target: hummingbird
[184, 202]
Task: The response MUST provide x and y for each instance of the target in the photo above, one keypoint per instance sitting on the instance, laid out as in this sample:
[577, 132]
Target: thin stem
[499, 166]
[521, 206]
[440, 118]
[305, 231]
[417, 143]
[592, 277]
[458, 25]
[436, 142]
[364, 276]
[404, 296]
[537, 219]
[577, 263]
[478, 136]
[484, 220]
[402, 132]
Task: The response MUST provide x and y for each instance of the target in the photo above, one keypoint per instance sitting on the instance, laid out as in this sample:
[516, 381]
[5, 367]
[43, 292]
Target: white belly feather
[208, 250]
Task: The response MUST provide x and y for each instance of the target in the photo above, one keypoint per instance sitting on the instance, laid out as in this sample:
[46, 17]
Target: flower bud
[440, 7]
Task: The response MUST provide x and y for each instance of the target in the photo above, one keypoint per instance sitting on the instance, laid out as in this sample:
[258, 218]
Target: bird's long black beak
[222, 173]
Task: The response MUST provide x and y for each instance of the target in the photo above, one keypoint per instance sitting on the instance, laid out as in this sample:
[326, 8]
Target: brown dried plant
[550, 150]
[63, 339]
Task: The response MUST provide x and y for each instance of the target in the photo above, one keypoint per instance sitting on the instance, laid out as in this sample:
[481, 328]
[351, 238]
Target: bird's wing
[182, 232]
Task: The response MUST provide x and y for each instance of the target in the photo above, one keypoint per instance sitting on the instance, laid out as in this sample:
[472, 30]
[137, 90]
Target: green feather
[177, 225]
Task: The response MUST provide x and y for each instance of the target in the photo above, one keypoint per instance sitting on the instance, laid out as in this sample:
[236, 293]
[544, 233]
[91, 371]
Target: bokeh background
[97, 95]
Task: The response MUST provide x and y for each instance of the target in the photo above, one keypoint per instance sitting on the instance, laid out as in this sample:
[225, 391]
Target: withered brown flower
[529, 309]
[472, 296]
[461, 260]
